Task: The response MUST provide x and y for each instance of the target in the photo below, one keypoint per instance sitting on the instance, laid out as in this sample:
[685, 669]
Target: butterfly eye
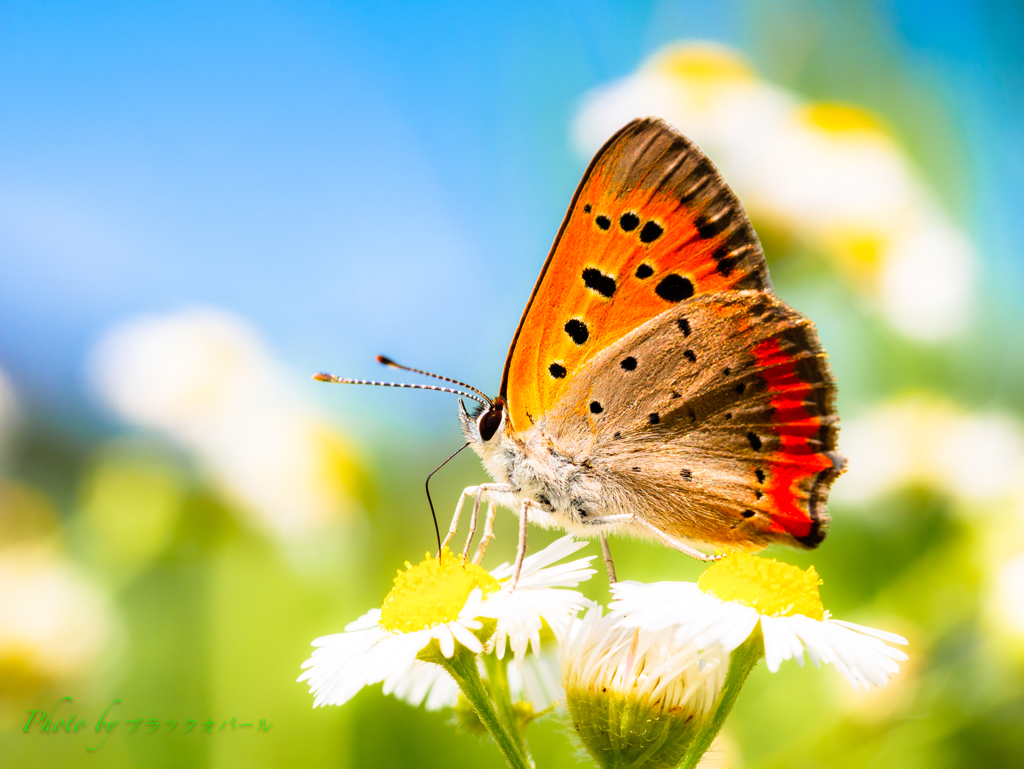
[489, 423]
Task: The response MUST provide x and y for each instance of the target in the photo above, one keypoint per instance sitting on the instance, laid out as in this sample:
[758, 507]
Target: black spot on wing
[760, 475]
[577, 331]
[644, 271]
[684, 326]
[629, 221]
[674, 288]
[597, 281]
[557, 370]
[749, 513]
[628, 363]
[587, 208]
[754, 440]
[654, 418]
[595, 407]
[687, 475]
[690, 356]
[603, 222]
[651, 232]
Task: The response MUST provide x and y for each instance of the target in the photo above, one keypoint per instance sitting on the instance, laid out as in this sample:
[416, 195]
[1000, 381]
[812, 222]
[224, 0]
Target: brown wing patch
[651, 224]
[721, 428]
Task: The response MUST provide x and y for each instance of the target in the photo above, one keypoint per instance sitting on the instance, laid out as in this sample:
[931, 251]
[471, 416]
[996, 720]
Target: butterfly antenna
[388, 362]
[426, 486]
[340, 380]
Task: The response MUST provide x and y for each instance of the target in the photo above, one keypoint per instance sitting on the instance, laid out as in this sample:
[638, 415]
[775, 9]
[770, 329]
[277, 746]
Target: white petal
[465, 637]
[369, 620]
[424, 684]
[347, 662]
[882, 634]
[780, 642]
[863, 658]
[445, 640]
[556, 551]
[698, 617]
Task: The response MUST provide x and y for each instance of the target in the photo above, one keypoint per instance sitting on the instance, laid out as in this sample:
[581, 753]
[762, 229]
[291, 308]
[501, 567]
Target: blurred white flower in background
[975, 458]
[827, 175]
[204, 379]
[55, 624]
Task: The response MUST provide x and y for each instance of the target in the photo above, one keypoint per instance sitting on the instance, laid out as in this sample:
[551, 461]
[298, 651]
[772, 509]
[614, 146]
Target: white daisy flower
[742, 591]
[538, 598]
[204, 379]
[638, 697]
[456, 605]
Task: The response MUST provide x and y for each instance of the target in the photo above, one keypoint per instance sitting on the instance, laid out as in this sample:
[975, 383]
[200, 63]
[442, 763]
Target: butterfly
[655, 386]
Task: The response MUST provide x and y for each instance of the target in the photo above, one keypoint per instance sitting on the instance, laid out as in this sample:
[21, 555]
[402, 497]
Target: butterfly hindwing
[651, 224]
[715, 422]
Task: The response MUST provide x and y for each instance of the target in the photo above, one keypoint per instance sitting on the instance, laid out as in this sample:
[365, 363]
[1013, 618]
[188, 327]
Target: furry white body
[533, 478]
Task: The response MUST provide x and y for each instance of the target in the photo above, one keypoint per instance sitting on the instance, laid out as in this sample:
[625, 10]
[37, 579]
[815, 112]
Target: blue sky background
[388, 177]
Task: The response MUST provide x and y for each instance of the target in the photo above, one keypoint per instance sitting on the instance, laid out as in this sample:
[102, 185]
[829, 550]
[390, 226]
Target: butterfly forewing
[651, 224]
[714, 421]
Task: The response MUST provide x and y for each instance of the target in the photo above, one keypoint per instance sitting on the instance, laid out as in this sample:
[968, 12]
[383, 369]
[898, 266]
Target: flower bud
[637, 698]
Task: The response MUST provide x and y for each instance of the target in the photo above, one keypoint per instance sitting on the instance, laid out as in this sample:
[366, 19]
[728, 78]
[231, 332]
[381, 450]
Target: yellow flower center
[432, 593]
[773, 588]
[841, 118]
[702, 63]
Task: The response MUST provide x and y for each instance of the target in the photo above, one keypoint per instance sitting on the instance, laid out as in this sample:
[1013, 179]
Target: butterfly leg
[608, 560]
[675, 544]
[485, 490]
[472, 524]
[488, 534]
[672, 542]
[524, 517]
[455, 520]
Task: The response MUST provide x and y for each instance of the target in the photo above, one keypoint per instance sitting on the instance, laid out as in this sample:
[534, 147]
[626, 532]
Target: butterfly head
[485, 425]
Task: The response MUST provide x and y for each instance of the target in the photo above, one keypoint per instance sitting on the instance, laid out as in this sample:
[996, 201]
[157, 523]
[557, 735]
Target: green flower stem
[463, 668]
[741, 662]
[497, 675]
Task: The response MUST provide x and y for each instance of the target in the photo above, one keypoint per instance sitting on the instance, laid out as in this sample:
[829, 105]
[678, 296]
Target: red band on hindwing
[798, 458]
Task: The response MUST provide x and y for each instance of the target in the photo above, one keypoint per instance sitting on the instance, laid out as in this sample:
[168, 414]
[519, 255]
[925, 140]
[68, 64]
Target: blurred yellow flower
[204, 379]
[131, 499]
[829, 175]
[55, 625]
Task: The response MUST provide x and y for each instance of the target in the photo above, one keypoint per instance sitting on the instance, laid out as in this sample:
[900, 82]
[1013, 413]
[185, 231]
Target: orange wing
[651, 224]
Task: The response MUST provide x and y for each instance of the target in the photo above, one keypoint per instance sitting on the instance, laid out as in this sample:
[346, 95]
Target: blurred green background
[201, 206]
